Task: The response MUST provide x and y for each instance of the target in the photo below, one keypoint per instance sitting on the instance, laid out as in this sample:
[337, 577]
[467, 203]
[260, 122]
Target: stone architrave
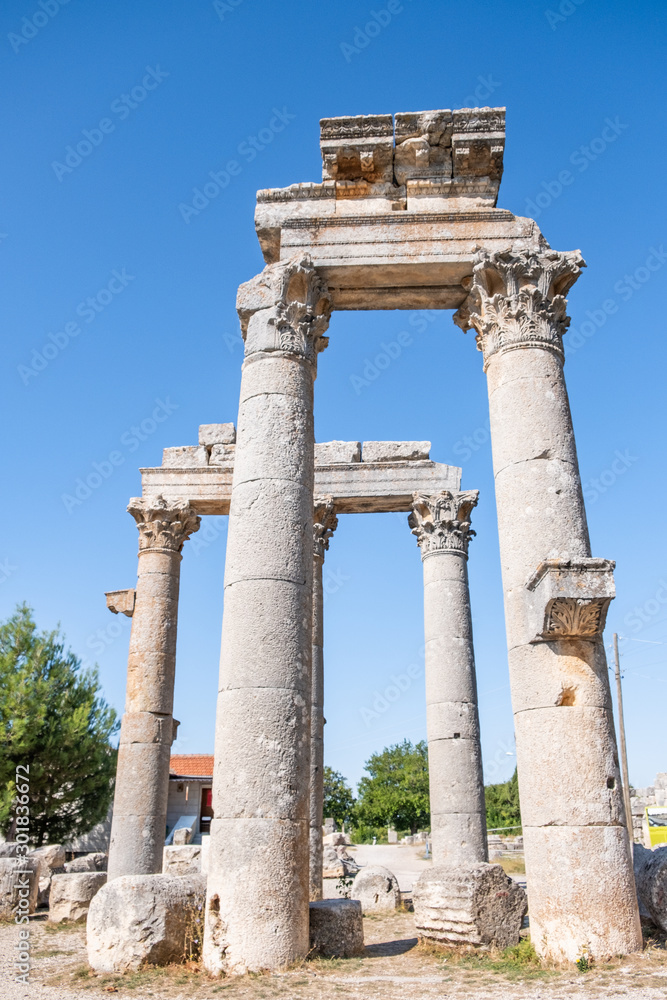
[258, 883]
[148, 728]
[555, 603]
[441, 523]
[325, 523]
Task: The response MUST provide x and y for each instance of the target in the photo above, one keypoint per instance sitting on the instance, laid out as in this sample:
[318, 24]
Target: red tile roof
[191, 765]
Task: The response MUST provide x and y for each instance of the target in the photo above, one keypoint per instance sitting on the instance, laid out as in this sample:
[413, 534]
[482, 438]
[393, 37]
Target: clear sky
[133, 295]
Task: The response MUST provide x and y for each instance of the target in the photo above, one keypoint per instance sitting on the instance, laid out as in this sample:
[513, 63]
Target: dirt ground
[394, 965]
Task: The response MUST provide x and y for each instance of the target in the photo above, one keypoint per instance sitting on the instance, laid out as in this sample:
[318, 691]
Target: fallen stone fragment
[476, 904]
[337, 862]
[71, 895]
[377, 890]
[181, 859]
[336, 928]
[145, 919]
[19, 886]
[651, 881]
[95, 862]
[51, 856]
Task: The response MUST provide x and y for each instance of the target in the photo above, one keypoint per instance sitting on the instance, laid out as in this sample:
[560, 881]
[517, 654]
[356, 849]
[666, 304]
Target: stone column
[458, 816]
[325, 523]
[148, 728]
[258, 885]
[580, 881]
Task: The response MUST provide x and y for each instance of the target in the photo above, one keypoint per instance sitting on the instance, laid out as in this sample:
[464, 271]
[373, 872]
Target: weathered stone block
[51, 856]
[147, 919]
[95, 862]
[189, 457]
[336, 862]
[71, 895]
[182, 859]
[358, 148]
[19, 886]
[377, 890]
[651, 881]
[212, 434]
[336, 928]
[337, 452]
[222, 454]
[395, 451]
[474, 904]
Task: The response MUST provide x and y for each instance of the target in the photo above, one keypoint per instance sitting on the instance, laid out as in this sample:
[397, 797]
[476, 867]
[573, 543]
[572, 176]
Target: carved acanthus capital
[442, 521]
[163, 524]
[286, 308]
[325, 523]
[571, 598]
[518, 300]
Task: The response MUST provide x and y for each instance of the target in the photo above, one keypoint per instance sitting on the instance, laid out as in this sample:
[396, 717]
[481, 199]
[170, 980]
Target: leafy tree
[338, 797]
[52, 719]
[397, 790]
[502, 803]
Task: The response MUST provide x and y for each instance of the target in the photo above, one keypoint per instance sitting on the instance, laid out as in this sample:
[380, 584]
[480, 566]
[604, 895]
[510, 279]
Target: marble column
[258, 883]
[580, 882]
[148, 728]
[441, 524]
[325, 523]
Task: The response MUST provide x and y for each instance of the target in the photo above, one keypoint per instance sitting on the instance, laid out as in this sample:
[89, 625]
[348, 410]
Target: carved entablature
[325, 523]
[358, 148]
[518, 300]
[441, 521]
[423, 146]
[294, 307]
[478, 142]
[163, 524]
[573, 597]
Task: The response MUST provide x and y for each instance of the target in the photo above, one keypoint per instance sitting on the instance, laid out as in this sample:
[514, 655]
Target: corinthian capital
[163, 524]
[442, 521]
[285, 308]
[325, 523]
[518, 300]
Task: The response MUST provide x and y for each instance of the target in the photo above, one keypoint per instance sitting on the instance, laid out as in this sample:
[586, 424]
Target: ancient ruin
[404, 218]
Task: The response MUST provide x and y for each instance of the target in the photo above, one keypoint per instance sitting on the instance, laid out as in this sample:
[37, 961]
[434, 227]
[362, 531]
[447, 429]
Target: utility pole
[621, 730]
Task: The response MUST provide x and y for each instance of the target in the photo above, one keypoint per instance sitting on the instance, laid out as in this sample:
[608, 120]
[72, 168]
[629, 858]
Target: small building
[190, 791]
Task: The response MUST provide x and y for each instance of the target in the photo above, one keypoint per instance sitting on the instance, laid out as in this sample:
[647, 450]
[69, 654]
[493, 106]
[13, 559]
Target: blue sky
[135, 297]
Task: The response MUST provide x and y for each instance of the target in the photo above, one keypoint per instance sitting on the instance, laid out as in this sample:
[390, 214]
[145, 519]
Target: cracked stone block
[188, 457]
[337, 452]
[210, 434]
[395, 451]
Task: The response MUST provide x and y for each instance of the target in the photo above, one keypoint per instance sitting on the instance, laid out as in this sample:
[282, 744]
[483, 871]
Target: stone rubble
[336, 928]
[377, 890]
[71, 895]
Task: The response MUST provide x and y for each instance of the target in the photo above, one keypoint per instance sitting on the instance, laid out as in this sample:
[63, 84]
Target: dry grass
[394, 964]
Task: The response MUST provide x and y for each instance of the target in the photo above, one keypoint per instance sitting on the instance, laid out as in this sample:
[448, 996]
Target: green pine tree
[52, 719]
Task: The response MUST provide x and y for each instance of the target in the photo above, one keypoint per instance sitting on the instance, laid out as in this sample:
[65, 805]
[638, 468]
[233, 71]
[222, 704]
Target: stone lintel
[358, 487]
[393, 259]
[573, 598]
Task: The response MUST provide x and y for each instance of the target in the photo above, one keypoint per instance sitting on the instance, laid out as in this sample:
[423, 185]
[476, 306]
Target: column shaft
[317, 735]
[458, 815]
[569, 782]
[147, 730]
[258, 884]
